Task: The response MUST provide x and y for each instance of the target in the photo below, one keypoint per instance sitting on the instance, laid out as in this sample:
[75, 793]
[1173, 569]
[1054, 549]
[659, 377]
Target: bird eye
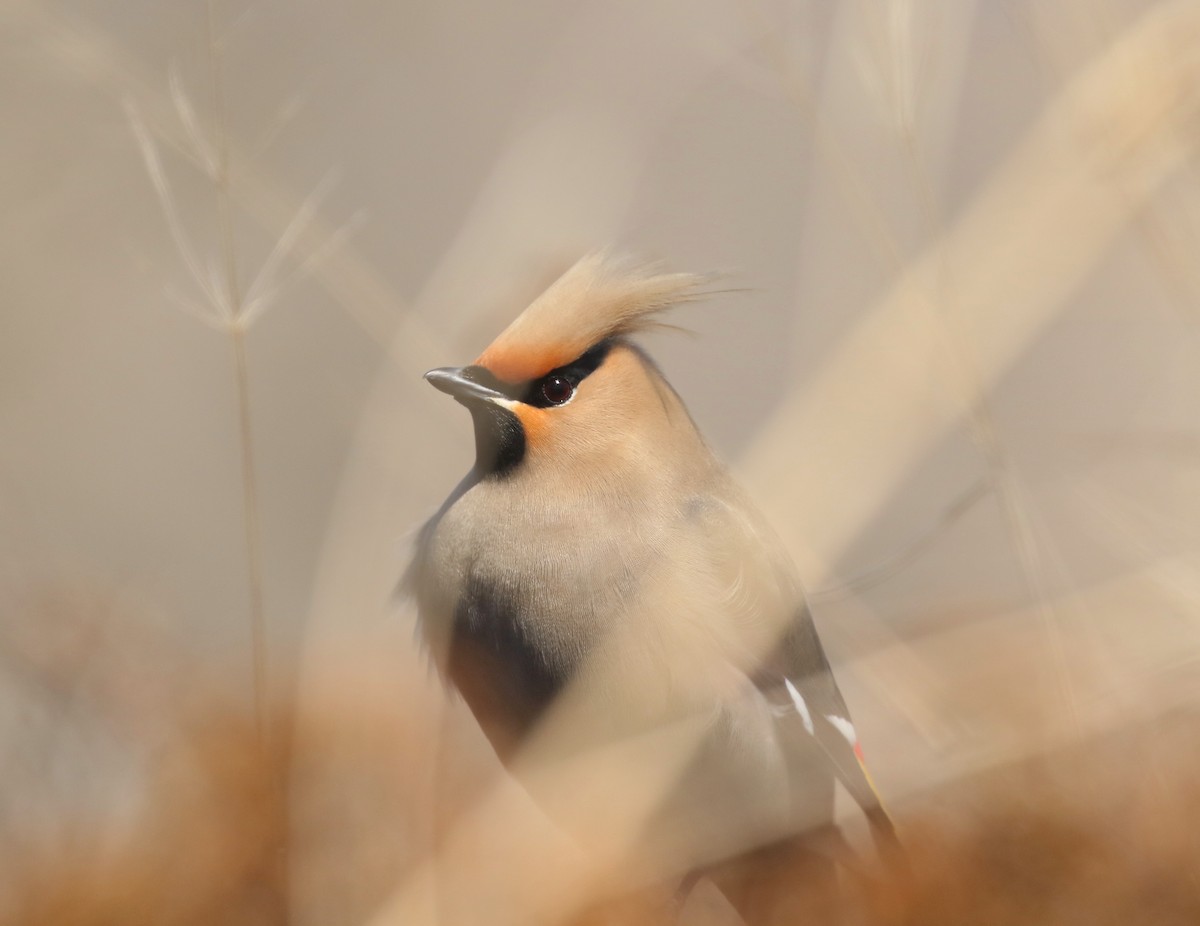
[557, 389]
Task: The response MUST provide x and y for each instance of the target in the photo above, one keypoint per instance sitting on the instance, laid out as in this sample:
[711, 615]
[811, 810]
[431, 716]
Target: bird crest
[599, 297]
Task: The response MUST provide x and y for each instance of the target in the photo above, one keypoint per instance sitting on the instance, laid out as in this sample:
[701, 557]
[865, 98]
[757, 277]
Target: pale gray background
[476, 148]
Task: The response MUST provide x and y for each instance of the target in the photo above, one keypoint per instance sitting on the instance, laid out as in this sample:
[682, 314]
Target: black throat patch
[499, 439]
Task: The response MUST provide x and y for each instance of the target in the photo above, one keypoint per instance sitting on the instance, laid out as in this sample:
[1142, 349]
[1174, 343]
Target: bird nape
[604, 597]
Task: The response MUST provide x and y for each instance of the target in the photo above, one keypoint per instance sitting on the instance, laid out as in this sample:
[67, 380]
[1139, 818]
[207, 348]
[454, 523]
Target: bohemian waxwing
[599, 575]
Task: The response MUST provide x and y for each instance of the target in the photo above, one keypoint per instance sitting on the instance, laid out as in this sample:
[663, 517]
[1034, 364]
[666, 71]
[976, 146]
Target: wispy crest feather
[601, 296]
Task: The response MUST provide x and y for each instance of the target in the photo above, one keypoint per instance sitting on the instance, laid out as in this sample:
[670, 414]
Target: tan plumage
[598, 549]
[597, 298]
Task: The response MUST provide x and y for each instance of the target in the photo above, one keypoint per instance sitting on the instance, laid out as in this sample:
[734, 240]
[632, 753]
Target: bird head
[563, 382]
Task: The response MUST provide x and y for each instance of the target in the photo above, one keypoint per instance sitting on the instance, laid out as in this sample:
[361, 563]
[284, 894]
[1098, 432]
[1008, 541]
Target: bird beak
[461, 382]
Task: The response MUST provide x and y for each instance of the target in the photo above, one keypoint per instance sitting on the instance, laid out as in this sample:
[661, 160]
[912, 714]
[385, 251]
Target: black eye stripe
[530, 392]
[541, 392]
[591, 360]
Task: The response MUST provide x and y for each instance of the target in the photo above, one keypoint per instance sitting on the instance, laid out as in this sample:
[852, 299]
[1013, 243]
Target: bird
[598, 554]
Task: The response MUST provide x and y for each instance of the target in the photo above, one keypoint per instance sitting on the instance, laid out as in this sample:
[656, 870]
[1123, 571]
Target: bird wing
[804, 696]
[792, 670]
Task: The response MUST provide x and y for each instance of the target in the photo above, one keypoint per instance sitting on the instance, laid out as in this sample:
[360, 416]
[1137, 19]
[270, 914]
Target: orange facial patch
[522, 366]
[534, 421]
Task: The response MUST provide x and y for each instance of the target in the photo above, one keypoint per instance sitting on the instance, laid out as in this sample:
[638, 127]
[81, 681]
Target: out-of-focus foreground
[962, 379]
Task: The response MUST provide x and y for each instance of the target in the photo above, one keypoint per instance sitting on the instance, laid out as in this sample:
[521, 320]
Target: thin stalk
[238, 326]
[258, 642]
[237, 337]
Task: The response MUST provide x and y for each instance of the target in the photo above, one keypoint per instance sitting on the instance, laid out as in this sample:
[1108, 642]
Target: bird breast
[653, 605]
